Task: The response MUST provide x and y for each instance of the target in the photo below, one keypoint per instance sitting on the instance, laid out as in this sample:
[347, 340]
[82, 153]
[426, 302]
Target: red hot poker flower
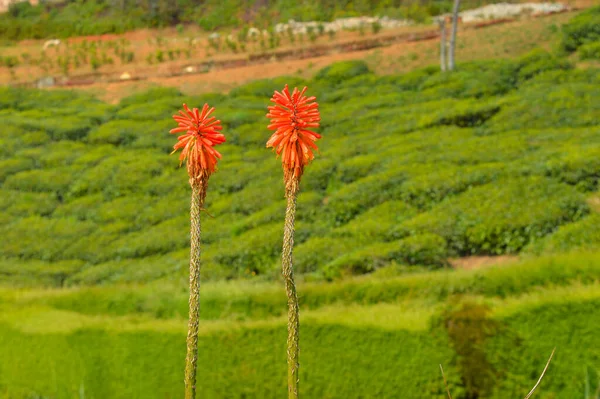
[201, 134]
[291, 117]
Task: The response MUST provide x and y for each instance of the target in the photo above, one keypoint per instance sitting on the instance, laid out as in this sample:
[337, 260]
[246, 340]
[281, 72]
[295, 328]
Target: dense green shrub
[578, 166]
[12, 166]
[545, 106]
[117, 132]
[339, 72]
[132, 271]
[590, 51]
[264, 88]
[252, 252]
[582, 235]
[316, 252]
[120, 174]
[160, 109]
[581, 29]
[32, 273]
[376, 223]
[22, 203]
[536, 62]
[36, 237]
[420, 249]
[52, 180]
[354, 198]
[151, 95]
[431, 186]
[63, 128]
[158, 239]
[500, 218]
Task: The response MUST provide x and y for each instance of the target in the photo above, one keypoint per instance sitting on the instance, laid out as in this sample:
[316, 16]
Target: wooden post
[451, 62]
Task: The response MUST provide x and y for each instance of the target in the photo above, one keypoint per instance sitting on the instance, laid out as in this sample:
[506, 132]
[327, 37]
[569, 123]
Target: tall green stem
[198, 195]
[292, 297]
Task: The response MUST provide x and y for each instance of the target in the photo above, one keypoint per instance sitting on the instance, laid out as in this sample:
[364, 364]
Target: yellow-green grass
[348, 351]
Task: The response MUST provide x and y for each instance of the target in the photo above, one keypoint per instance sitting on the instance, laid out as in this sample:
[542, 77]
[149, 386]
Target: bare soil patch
[594, 203]
[477, 262]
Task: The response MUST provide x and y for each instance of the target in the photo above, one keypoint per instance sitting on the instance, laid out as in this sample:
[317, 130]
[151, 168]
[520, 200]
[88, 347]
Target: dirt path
[477, 262]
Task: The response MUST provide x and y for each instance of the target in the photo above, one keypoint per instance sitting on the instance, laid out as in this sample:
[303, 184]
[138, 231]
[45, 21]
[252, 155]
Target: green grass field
[501, 157]
[360, 337]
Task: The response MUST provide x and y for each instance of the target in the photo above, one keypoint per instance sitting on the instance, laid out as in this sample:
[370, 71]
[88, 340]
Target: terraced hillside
[495, 159]
[500, 157]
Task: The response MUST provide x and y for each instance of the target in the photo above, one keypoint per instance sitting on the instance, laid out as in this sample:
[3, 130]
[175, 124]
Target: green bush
[339, 72]
[63, 128]
[21, 203]
[120, 174]
[354, 198]
[376, 223]
[545, 106]
[579, 166]
[158, 239]
[432, 186]
[252, 252]
[149, 268]
[590, 51]
[151, 111]
[12, 166]
[264, 88]
[316, 252]
[52, 180]
[536, 62]
[36, 237]
[135, 134]
[35, 273]
[581, 29]
[500, 218]
[420, 249]
[582, 235]
[151, 95]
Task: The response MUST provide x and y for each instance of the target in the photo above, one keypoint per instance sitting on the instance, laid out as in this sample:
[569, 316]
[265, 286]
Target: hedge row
[400, 155]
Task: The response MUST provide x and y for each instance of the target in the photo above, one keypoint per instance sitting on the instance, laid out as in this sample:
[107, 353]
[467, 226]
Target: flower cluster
[201, 135]
[291, 117]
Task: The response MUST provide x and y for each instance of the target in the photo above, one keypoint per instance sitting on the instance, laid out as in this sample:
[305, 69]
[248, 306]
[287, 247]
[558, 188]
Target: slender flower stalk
[201, 134]
[291, 117]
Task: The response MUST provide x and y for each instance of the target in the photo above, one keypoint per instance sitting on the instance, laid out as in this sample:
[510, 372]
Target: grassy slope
[351, 348]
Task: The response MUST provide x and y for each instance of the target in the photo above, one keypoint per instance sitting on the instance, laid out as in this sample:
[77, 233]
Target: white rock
[507, 10]
[52, 42]
[253, 32]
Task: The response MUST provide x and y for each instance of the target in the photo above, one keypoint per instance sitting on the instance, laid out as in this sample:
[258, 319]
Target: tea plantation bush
[590, 51]
[500, 218]
[585, 234]
[582, 29]
[413, 169]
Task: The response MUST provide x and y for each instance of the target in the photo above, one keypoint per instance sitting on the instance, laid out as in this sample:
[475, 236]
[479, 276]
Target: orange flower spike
[202, 133]
[291, 117]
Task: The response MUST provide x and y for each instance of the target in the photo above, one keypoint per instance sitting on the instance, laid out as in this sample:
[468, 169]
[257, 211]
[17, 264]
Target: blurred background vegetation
[501, 157]
[76, 17]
